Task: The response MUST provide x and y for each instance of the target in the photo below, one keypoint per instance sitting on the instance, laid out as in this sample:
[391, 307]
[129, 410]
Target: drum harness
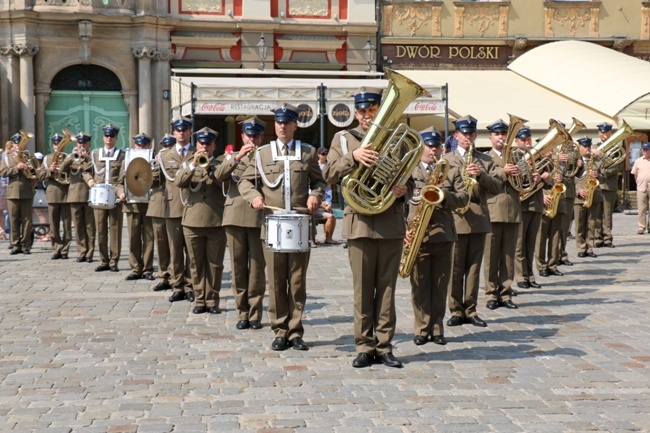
[287, 170]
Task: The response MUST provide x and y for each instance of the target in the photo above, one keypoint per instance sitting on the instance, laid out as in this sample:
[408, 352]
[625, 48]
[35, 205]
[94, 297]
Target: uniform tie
[285, 150]
[429, 168]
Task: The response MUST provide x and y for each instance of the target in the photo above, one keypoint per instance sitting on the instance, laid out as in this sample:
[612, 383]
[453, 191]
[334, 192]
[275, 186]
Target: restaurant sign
[449, 54]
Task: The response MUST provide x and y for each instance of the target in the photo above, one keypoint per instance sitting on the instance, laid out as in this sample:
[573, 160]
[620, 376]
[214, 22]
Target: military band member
[585, 218]
[609, 189]
[204, 234]
[531, 221]
[505, 218]
[20, 198]
[156, 211]
[83, 216]
[243, 230]
[374, 241]
[139, 225]
[432, 269]
[569, 200]
[281, 176]
[171, 162]
[58, 208]
[105, 168]
[472, 226]
[548, 246]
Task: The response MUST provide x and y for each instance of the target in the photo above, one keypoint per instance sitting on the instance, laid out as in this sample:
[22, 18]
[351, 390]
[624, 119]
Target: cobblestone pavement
[90, 352]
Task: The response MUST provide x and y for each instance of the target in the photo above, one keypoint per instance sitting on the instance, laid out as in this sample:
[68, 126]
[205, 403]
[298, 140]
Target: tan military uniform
[287, 271]
[548, 249]
[433, 266]
[567, 218]
[531, 221]
[20, 198]
[472, 228]
[108, 221]
[243, 233]
[171, 162]
[156, 211]
[609, 189]
[140, 228]
[500, 244]
[374, 250]
[202, 227]
[82, 214]
[585, 218]
[56, 195]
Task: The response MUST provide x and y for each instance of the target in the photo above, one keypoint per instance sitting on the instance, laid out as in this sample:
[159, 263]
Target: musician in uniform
[567, 218]
[374, 241]
[58, 208]
[74, 165]
[105, 169]
[282, 176]
[155, 211]
[548, 246]
[505, 218]
[472, 223]
[609, 189]
[204, 234]
[170, 162]
[139, 225]
[585, 218]
[531, 220]
[433, 263]
[20, 198]
[243, 230]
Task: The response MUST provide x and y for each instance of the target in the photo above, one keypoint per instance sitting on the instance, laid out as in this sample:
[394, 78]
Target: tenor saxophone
[557, 189]
[469, 180]
[430, 196]
[592, 183]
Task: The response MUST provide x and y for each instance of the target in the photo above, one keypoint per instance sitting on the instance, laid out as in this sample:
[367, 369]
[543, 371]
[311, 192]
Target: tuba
[430, 196]
[511, 156]
[59, 156]
[25, 156]
[368, 190]
[570, 168]
[613, 148]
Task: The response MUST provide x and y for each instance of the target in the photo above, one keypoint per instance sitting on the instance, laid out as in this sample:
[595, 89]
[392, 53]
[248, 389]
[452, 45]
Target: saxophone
[59, 156]
[25, 156]
[430, 195]
[557, 189]
[592, 183]
[469, 180]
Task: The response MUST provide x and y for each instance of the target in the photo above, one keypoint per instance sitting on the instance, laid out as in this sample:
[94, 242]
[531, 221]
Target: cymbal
[139, 177]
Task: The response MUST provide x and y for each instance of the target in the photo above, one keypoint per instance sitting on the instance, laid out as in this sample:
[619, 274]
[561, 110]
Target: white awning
[606, 80]
[490, 95]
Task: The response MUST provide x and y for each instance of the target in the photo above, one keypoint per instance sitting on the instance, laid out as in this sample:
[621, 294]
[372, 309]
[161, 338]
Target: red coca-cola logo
[425, 106]
[213, 107]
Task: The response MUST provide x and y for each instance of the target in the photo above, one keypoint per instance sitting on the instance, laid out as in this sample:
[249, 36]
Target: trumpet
[202, 160]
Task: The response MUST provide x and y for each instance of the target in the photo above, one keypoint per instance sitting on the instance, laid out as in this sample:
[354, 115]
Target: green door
[86, 111]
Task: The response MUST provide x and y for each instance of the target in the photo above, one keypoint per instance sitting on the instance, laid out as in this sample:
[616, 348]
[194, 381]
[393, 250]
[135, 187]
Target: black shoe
[200, 309]
[492, 305]
[89, 260]
[439, 339]
[592, 255]
[16, 251]
[476, 321]
[523, 285]
[177, 296]
[363, 360]
[102, 268]
[27, 252]
[508, 304]
[64, 256]
[610, 246]
[345, 245]
[566, 262]
[56, 256]
[543, 273]
[149, 277]
[534, 285]
[81, 259]
[132, 277]
[256, 324]
[280, 343]
[389, 360]
[513, 292]
[599, 244]
[455, 321]
[162, 286]
[115, 269]
[189, 296]
[214, 310]
[298, 344]
[420, 340]
[582, 254]
[243, 324]
[556, 273]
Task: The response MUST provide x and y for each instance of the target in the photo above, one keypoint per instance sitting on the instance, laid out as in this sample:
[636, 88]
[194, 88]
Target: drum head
[139, 176]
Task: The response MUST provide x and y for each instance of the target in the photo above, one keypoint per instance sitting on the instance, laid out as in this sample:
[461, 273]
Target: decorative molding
[308, 8]
[163, 55]
[85, 35]
[205, 6]
[621, 43]
[19, 50]
[144, 52]
[645, 20]
[222, 42]
[572, 15]
[316, 44]
[481, 16]
[402, 19]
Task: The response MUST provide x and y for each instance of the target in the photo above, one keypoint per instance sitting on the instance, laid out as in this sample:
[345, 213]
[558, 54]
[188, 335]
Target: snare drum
[102, 196]
[288, 232]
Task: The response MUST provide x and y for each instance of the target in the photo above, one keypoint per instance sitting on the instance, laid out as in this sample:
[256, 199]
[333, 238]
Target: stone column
[162, 81]
[42, 98]
[27, 114]
[144, 56]
[131, 101]
[7, 124]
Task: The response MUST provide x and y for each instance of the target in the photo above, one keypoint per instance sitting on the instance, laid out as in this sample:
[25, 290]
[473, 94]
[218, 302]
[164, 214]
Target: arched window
[86, 77]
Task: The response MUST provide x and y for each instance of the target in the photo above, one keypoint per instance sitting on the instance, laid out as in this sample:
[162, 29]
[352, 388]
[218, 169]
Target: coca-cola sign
[425, 107]
[234, 108]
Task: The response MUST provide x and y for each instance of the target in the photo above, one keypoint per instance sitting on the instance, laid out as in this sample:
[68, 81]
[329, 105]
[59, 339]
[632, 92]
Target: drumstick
[302, 209]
